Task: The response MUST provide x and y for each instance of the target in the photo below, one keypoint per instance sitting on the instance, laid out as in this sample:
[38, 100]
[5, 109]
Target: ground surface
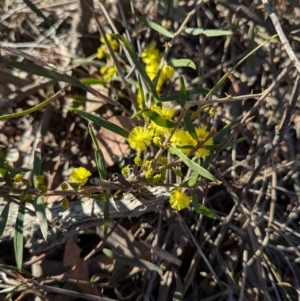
[250, 250]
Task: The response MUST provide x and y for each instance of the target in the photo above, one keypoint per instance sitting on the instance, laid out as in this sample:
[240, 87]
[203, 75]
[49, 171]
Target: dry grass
[250, 250]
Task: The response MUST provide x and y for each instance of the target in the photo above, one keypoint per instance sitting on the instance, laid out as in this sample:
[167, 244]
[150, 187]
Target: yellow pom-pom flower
[140, 138]
[113, 42]
[80, 175]
[183, 141]
[202, 134]
[166, 113]
[179, 200]
[108, 72]
[167, 72]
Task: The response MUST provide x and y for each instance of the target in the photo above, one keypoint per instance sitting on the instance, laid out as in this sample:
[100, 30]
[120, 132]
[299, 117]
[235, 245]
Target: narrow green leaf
[100, 162]
[6, 177]
[102, 122]
[192, 180]
[31, 110]
[106, 214]
[194, 199]
[156, 118]
[208, 32]
[194, 166]
[182, 92]
[205, 211]
[93, 81]
[189, 93]
[41, 71]
[189, 125]
[18, 238]
[176, 63]
[156, 27]
[187, 118]
[234, 142]
[37, 162]
[225, 131]
[133, 261]
[40, 212]
[199, 208]
[4, 217]
[38, 12]
[178, 294]
[139, 67]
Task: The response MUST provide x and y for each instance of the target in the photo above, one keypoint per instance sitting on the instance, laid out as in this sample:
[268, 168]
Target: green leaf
[208, 32]
[139, 67]
[189, 93]
[93, 81]
[200, 209]
[18, 238]
[75, 186]
[156, 118]
[41, 215]
[176, 63]
[234, 142]
[6, 176]
[224, 132]
[205, 211]
[194, 166]
[106, 214]
[182, 92]
[178, 294]
[41, 71]
[36, 108]
[133, 261]
[187, 118]
[37, 162]
[100, 162]
[101, 122]
[38, 12]
[191, 181]
[156, 27]
[4, 217]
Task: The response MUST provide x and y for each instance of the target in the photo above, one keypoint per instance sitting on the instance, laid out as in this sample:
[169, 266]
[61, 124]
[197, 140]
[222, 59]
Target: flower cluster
[182, 140]
[155, 173]
[151, 57]
[40, 182]
[109, 70]
[140, 138]
[102, 52]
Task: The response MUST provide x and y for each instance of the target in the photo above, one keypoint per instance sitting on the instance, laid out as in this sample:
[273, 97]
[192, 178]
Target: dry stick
[244, 275]
[279, 78]
[62, 291]
[189, 234]
[61, 150]
[279, 133]
[281, 35]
